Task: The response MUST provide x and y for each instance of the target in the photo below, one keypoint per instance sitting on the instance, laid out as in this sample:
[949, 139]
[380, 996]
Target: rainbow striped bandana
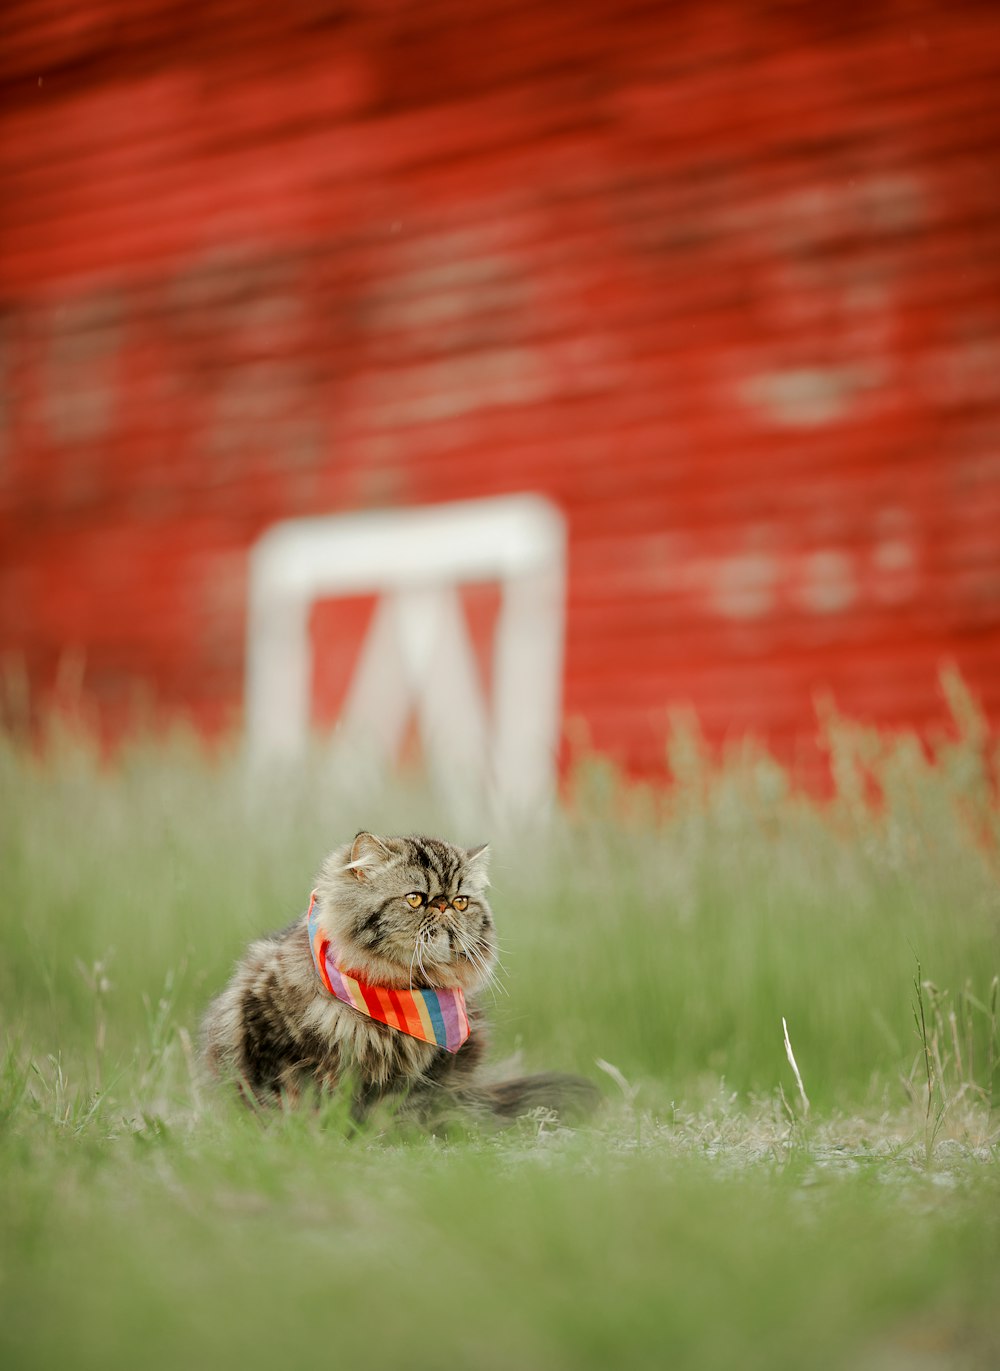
[433, 1016]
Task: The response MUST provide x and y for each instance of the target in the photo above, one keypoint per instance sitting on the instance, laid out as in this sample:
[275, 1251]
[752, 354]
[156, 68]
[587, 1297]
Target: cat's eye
[461, 903]
[414, 899]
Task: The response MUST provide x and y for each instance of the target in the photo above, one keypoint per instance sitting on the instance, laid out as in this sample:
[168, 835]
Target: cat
[370, 987]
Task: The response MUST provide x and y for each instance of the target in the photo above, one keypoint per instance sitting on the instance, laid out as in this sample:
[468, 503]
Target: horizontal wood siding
[723, 281]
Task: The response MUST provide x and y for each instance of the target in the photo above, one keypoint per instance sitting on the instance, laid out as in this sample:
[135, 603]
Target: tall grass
[654, 938]
[668, 932]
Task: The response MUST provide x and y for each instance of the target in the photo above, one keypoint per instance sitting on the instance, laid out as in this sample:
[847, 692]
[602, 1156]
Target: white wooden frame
[417, 654]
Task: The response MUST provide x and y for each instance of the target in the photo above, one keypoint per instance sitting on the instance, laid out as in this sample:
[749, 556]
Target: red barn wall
[723, 281]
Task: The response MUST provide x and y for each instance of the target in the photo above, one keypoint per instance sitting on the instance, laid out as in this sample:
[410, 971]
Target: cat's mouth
[440, 956]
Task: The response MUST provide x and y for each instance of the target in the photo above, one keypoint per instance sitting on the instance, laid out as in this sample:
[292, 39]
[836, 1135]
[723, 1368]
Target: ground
[653, 939]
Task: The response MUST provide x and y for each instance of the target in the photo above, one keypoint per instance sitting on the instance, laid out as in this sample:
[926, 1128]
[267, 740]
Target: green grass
[704, 1219]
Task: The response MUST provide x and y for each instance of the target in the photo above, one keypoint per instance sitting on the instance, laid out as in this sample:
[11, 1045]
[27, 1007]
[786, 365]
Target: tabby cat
[370, 986]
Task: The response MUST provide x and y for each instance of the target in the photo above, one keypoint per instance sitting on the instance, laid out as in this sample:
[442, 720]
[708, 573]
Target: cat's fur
[277, 1032]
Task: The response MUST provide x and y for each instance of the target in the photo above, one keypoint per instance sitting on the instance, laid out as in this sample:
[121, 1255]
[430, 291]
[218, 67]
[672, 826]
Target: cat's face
[409, 911]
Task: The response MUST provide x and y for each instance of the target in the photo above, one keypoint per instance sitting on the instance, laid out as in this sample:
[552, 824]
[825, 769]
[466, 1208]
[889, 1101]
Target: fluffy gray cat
[377, 985]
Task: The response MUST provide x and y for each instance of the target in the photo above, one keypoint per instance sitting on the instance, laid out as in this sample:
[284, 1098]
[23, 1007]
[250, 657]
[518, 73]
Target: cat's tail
[572, 1098]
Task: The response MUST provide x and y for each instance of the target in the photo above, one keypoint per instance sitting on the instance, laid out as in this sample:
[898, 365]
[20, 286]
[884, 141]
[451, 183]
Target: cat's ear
[480, 855]
[367, 851]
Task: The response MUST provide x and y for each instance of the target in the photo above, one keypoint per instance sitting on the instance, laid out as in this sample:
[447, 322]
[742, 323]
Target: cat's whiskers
[475, 951]
[416, 956]
[487, 970]
[423, 941]
[476, 954]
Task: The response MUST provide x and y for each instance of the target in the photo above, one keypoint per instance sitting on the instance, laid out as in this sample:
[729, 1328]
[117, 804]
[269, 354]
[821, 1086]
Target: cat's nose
[441, 902]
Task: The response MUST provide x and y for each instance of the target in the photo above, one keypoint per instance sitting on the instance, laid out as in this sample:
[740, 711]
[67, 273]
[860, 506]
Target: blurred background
[720, 281]
[699, 305]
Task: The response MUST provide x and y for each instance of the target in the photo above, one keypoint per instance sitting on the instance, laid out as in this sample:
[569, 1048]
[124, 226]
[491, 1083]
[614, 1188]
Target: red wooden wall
[722, 280]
